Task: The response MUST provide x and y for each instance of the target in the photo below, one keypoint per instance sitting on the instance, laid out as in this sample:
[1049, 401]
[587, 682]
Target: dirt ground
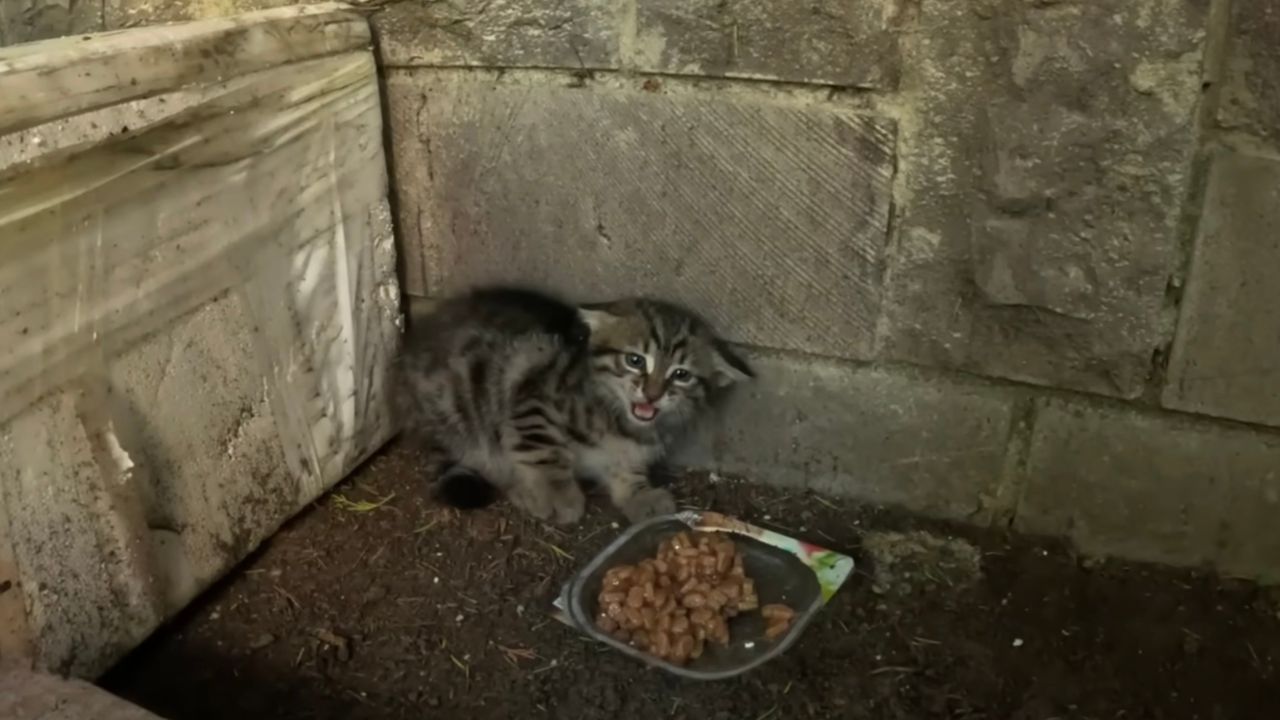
[374, 604]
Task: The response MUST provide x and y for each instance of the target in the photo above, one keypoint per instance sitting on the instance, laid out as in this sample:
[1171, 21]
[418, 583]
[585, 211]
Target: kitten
[524, 394]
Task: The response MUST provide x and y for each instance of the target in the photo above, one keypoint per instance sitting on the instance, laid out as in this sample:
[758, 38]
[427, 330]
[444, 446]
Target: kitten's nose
[652, 389]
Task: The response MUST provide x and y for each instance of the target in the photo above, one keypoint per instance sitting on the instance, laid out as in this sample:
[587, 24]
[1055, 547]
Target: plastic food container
[785, 570]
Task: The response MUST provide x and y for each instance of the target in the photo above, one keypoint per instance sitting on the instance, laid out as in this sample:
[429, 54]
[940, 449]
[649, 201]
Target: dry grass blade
[291, 600]
[557, 550]
[896, 669]
[464, 667]
[341, 502]
[514, 655]
[823, 501]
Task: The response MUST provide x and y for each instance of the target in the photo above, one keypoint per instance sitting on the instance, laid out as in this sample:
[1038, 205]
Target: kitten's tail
[465, 489]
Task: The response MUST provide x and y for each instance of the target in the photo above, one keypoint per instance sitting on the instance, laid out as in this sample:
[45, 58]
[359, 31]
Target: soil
[377, 604]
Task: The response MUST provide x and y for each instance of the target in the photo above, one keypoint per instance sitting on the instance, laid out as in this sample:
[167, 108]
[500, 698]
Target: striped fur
[525, 394]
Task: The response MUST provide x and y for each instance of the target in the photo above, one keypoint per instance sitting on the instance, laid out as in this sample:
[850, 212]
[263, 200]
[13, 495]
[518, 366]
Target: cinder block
[769, 218]
[120, 14]
[1226, 356]
[1250, 99]
[577, 34]
[849, 43]
[1155, 488]
[1045, 156]
[930, 445]
[24, 21]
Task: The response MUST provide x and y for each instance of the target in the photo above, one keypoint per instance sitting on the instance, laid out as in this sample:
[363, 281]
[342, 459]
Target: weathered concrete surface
[90, 587]
[501, 33]
[30, 20]
[847, 44]
[884, 436]
[45, 82]
[1226, 359]
[1045, 152]
[481, 33]
[1155, 488]
[1251, 93]
[837, 43]
[35, 696]
[192, 467]
[201, 315]
[118, 14]
[771, 219]
[16, 646]
[86, 128]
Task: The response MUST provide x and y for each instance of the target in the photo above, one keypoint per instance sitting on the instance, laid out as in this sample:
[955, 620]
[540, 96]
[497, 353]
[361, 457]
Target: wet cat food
[673, 604]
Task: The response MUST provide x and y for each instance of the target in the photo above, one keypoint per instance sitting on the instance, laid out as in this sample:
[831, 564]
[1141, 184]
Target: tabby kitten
[525, 394]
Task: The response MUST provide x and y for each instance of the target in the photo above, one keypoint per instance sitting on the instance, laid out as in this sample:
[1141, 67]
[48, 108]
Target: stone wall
[1005, 261]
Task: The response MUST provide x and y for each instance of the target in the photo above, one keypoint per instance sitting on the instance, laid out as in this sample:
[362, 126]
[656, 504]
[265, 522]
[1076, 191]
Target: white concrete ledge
[199, 317]
[35, 696]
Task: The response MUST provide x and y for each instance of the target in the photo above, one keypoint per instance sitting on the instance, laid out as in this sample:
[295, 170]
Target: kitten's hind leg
[465, 489]
[639, 500]
[545, 486]
[452, 482]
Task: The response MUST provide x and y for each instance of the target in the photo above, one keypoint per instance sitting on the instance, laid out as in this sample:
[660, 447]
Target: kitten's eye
[681, 375]
[635, 361]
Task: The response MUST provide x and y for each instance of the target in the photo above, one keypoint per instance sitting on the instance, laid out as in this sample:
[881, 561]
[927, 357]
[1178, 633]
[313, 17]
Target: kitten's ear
[729, 367]
[595, 316]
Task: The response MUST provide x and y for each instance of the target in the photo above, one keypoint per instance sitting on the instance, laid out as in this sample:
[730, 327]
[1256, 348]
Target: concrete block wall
[1005, 261]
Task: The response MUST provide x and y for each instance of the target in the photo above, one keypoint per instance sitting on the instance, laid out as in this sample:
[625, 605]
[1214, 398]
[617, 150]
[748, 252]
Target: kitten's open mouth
[644, 412]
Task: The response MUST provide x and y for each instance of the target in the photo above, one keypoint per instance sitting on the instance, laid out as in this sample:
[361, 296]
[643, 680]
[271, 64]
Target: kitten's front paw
[648, 503]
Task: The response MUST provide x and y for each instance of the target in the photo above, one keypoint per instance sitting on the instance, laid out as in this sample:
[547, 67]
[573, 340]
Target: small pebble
[1017, 642]
[262, 641]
